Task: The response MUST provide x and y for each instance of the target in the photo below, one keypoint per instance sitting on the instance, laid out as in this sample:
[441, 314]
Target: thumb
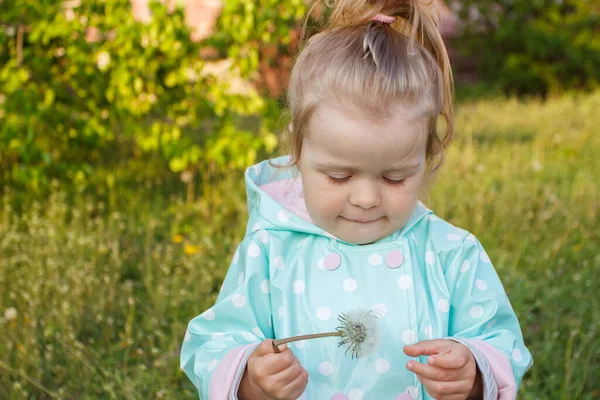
[424, 348]
[266, 347]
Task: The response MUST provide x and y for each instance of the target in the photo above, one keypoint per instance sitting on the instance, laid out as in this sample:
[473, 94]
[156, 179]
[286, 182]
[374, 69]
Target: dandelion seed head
[360, 332]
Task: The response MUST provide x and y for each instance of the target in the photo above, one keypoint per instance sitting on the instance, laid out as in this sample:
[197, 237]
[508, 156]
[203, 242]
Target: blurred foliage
[534, 47]
[83, 84]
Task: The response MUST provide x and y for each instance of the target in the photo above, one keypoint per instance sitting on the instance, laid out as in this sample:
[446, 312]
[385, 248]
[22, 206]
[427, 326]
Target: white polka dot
[256, 227]
[265, 286]
[263, 236]
[208, 315]
[409, 336]
[491, 324]
[375, 259]
[270, 323]
[248, 336]
[476, 311]
[405, 282]
[280, 312]
[256, 330]
[212, 364]
[355, 394]
[323, 313]
[350, 285]
[453, 237]
[238, 300]
[429, 257]
[516, 355]
[429, 331]
[464, 267]
[443, 305]
[257, 169]
[414, 238]
[299, 286]
[284, 215]
[481, 285]
[217, 335]
[278, 263]
[321, 263]
[241, 278]
[303, 241]
[188, 336]
[379, 310]
[253, 250]
[484, 257]
[382, 365]
[432, 217]
[300, 344]
[236, 257]
[412, 390]
[326, 368]
[471, 238]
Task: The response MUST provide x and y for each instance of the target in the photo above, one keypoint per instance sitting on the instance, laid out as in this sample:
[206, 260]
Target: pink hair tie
[386, 19]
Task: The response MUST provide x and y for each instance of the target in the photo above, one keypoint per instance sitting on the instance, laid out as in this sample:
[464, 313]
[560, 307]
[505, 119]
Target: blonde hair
[377, 66]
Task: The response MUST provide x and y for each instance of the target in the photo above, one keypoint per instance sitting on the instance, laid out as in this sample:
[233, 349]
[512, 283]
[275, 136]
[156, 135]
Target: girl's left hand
[450, 373]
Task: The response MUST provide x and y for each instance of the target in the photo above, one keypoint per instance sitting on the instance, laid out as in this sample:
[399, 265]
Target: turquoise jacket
[289, 277]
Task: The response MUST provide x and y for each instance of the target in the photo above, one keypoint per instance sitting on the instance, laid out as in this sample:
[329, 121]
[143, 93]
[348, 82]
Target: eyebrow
[394, 169]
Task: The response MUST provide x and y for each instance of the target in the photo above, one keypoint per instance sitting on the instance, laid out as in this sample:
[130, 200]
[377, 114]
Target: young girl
[341, 229]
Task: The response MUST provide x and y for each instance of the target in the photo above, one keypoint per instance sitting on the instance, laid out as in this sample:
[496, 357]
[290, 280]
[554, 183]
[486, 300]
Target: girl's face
[362, 178]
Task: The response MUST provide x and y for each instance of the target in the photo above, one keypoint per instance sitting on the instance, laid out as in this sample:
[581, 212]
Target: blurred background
[125, 129]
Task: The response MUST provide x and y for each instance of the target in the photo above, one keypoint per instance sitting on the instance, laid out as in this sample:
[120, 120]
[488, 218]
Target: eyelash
[341, 181]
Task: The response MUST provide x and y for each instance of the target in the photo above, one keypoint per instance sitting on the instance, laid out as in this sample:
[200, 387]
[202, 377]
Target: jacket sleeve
[482, 318]
[218, 342]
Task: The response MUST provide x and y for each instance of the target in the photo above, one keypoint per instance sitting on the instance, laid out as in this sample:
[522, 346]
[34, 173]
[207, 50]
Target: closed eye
[394, 182]
[338, 180]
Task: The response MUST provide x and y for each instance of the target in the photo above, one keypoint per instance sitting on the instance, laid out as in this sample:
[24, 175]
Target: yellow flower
[190, 249]
[177, 238]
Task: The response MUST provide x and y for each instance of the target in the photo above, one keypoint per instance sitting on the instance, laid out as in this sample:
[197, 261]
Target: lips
[362, 221]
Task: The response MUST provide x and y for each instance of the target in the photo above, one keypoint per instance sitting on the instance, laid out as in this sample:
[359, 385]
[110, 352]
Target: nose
[365, 195]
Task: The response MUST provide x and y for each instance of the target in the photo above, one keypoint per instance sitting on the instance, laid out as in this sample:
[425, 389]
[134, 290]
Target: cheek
[402, 204]
[322, 199]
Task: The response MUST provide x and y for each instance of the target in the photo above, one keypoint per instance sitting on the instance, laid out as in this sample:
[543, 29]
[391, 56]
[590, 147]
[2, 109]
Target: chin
[361, 239]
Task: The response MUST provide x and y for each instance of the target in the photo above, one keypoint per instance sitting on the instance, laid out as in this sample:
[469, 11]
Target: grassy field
[96, 288]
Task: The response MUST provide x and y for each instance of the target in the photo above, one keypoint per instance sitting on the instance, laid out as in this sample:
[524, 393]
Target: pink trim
[386, 19]
[290, 195]
[503, 374]
[222, 379]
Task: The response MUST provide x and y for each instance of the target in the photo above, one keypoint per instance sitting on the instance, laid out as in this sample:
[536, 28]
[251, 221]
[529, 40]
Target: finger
[266, 347]
[278, 384]
[297, 386]
[271, 364]
[431, 372]
[292, 367]
[445, 390]
[448, 359]
[425, 348]
[283, 360]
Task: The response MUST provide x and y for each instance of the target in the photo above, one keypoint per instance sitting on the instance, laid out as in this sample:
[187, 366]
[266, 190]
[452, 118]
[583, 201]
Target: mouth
[362, 221]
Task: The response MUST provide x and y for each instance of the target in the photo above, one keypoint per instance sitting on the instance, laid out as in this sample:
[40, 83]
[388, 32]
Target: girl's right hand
[273, 376]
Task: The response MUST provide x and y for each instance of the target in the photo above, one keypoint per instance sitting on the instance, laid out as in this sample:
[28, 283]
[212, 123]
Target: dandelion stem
[279, 342]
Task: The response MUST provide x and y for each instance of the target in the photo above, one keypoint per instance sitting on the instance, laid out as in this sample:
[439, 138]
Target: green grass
[103, 291]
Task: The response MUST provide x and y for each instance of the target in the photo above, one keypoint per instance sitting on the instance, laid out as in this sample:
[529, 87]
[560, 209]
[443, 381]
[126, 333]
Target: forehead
[346, 135]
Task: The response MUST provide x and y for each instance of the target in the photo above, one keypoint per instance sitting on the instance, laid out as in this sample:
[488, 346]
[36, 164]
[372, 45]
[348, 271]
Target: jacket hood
[276, 201]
